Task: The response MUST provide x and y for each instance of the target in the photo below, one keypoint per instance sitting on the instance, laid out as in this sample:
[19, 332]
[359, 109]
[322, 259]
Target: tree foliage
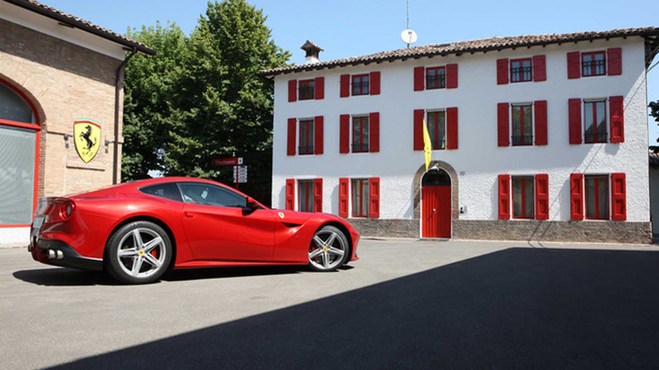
[654, 112]
[201, 97]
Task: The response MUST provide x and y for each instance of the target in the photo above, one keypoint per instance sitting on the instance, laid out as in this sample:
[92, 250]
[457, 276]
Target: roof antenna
[408, 36]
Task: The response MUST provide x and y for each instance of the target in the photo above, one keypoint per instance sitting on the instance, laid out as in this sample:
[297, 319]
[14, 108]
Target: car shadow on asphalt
[61, 276]
[515, 308]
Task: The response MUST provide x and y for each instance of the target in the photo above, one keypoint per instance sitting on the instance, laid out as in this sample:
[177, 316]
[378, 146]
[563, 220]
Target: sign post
[239, 171]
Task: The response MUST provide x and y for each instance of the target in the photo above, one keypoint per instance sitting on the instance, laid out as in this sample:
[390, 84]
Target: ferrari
[137, 231]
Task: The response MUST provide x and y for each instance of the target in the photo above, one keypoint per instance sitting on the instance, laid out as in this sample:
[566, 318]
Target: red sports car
[136, 231]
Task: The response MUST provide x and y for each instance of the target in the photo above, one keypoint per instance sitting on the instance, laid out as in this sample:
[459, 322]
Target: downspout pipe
[116, 176]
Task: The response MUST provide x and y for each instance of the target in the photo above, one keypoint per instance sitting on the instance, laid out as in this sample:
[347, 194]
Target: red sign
[234, 161]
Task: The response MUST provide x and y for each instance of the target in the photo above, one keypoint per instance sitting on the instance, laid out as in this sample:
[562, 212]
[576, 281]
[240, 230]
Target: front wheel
[329, 249]
[138, 253]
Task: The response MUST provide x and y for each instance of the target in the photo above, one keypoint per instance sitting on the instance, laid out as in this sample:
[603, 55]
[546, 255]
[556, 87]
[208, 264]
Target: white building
[534, 138]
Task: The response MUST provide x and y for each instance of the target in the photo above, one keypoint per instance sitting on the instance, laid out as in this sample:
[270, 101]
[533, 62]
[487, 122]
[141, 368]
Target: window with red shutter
[344, 185]
[503, 124]
[502, 71]
[618, 197]
[375, 83]
[318, 134]
[374, 197]
[539, 68]
[318, 195]
[452, 128]
[614, 60]
[290, 194]
[574, 116]
[292, 123]
[576, 197]
[617, 119]
[319, 88]
[540, 107]
[504, 197]
[541, 197]
[419, 78]
[573, 65]
[344, 135]
[292, 90]
[418, 128]
[374, 134]
[345, 86]
[451, 76]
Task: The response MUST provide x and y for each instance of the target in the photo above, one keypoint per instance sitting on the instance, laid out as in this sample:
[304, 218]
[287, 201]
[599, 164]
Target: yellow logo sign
[87, 137]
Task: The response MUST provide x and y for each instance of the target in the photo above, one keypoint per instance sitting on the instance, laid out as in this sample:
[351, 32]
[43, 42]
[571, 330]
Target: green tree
[205, 99]
[654, 112]
[152, 99]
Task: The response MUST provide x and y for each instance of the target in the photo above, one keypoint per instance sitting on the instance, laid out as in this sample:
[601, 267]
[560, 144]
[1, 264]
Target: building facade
[533, 138]
[61, 84]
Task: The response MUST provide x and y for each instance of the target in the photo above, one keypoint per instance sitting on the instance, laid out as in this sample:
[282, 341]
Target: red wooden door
[436, 212]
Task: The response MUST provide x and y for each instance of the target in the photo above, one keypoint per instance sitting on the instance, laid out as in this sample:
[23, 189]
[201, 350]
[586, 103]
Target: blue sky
[346, 28]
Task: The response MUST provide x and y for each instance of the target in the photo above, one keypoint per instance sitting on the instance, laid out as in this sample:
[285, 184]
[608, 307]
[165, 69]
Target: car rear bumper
[57, 253]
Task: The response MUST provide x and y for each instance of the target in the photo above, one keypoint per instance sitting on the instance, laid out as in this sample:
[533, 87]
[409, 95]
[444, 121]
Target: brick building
[61, 92]
[534, 138]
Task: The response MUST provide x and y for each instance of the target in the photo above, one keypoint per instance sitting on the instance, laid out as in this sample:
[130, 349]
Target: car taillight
[59, 210]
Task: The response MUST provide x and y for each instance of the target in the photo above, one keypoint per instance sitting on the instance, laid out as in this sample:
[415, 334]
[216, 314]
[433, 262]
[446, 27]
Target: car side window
[210, 195]
[168, 191]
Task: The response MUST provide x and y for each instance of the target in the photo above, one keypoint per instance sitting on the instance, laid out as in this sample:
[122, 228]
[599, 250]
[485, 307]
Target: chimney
[312, 51]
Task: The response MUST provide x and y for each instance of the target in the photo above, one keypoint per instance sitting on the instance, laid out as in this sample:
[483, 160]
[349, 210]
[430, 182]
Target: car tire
[138, 253]
[329, 249]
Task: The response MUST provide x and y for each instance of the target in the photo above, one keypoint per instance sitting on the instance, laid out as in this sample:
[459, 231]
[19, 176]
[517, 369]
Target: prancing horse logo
[87, 137]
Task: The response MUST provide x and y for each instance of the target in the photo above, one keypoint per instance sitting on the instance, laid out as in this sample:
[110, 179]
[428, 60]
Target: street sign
[240, 174]
[231, 161]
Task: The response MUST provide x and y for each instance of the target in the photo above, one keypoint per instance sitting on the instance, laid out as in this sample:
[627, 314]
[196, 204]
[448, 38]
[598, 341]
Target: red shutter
[574, 113]
[374, 197]
[539, 68]
[614, 61]
[418, 128]
[344, 142]
[318, 144]
[419, 78]
[292, 123]
[617, 119]
[451, 76]
[374, 83]
[292, 90]
[573, 65]
[344, 185]
[504, 197]
[576, 196]
[618, 197]
[374, 134]
[290, 194]
[502, 71]
[540, 111]
[345, 86]
[542, 197]
[319, 88]
[317, 195]
[503, 124]
[452, 128]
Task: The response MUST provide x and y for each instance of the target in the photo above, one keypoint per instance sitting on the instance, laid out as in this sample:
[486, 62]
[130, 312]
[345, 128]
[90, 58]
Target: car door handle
[188, 215]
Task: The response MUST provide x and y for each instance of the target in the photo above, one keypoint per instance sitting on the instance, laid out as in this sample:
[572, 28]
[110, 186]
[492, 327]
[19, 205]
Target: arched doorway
[436, 204]
[19, 157]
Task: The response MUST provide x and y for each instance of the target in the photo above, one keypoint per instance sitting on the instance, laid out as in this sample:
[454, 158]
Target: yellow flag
[427, 144]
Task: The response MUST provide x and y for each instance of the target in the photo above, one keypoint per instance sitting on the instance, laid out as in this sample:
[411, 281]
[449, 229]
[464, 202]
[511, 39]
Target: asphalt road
[406, 304]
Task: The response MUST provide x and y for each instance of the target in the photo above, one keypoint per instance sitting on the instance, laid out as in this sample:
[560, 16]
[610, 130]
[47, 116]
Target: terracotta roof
[80, 23]
[476, 46]
[654, 160]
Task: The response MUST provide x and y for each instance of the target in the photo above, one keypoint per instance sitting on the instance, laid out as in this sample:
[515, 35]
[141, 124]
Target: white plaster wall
[478, 160]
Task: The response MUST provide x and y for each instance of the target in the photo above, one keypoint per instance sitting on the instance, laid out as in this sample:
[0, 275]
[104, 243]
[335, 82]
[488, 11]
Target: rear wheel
[329, 249]
[138, 253]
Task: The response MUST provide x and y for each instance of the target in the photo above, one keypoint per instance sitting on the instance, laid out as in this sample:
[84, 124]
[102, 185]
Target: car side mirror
[251, 204]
